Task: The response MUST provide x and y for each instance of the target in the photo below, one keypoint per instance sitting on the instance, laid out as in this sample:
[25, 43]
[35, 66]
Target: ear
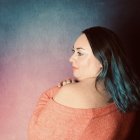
[101, 67]
[99, 70]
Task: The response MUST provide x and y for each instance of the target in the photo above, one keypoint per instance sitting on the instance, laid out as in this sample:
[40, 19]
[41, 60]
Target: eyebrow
[78, 48]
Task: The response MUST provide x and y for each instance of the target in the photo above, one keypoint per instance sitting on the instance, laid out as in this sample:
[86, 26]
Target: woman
[100, 105]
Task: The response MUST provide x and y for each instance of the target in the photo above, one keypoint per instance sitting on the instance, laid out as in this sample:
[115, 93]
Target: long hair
[119, 80]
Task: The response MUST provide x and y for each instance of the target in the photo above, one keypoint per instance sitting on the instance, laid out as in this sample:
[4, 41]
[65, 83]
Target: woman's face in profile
[84, 63]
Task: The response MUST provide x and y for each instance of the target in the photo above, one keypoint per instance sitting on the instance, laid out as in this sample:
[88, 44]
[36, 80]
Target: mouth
[74, 68]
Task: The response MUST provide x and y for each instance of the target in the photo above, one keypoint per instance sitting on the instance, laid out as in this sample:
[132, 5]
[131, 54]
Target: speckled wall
[36, 37]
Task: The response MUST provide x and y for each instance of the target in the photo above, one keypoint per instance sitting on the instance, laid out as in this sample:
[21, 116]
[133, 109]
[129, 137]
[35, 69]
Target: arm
[44, 98]
[42, 102]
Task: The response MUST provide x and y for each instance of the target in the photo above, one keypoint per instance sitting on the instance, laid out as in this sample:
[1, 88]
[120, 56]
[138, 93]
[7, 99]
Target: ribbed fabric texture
[54, 121]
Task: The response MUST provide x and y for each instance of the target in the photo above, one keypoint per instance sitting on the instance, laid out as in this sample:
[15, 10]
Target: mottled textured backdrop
[36, 38]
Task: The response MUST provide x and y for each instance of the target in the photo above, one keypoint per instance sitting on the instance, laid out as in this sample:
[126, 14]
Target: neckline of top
[111, 107]
[74, 108]
[89, 112]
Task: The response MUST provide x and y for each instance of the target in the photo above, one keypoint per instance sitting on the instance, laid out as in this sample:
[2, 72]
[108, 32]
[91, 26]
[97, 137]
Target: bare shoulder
[67, 91]
[76, 96]
[70, 88]
[70, 95]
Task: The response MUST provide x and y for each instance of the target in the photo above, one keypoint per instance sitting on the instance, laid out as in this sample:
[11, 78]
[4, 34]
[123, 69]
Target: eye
[79, 54]
[73, 50]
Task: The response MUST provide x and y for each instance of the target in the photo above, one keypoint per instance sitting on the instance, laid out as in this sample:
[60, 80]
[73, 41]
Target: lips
[74, 67]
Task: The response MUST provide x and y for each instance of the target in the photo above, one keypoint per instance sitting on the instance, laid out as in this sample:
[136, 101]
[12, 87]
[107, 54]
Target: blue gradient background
[36, 38]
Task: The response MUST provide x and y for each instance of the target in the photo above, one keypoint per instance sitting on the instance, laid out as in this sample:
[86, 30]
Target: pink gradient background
[26, 73]
[32, 61]
[35, 46]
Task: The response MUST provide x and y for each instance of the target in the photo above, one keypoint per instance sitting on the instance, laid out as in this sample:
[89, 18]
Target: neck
[89, 84]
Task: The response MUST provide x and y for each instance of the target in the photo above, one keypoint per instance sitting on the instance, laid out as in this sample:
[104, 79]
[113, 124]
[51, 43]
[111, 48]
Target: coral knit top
[54, 121]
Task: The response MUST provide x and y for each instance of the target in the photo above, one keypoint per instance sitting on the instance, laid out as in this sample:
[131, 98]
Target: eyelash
[79, 54]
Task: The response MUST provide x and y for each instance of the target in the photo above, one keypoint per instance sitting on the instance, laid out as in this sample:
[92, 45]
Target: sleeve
[42, 102]
[43, 99]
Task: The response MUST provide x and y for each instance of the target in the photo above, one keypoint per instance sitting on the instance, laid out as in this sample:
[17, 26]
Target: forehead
[82, 42]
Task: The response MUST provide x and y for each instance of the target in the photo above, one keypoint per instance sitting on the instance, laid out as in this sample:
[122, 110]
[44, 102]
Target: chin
[78, 79]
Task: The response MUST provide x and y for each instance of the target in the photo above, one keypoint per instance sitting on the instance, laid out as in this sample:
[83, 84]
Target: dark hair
[119, 80]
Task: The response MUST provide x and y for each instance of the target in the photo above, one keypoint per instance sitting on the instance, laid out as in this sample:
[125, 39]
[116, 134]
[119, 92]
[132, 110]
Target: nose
[72, 59]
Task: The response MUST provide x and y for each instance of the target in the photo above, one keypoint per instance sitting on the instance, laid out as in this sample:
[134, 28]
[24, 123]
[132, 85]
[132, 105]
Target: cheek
[83, 62]
[93, 66]
[90, 64]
